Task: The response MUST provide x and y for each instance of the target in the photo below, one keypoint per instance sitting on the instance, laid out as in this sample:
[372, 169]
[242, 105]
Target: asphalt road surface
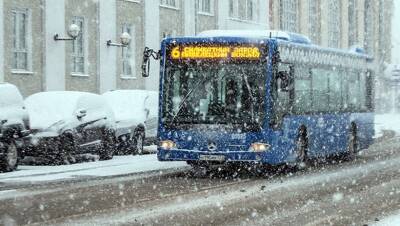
[355, 192]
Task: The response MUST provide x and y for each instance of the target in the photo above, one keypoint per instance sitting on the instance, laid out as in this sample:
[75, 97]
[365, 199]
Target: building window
[128, 53]
[20, 40]
[78, 47]
[353, 35]
[369, 27]
[250, 10]
[334, 23]
[288, 15]
[382, 22]
[205, 6]
[233, 8]
[313, 20]
[169, 3]
[243, 9]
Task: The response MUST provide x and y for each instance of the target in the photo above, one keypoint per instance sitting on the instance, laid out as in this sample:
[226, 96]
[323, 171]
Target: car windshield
[215, 94]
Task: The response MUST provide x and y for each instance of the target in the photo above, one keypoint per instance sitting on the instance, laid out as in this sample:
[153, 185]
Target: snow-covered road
[140, 190]
[340, 194]
[119, 165]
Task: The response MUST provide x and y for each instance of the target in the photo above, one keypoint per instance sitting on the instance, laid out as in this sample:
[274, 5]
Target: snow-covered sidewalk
[119, 165]
[387, 122]
[392, 220]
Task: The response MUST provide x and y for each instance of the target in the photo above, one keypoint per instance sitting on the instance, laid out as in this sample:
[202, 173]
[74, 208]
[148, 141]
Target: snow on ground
[387, 122]
[392, 220]
[220, 199]
[119, 165]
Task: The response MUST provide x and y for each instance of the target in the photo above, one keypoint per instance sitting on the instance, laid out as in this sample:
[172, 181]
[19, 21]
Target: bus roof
[282, 35]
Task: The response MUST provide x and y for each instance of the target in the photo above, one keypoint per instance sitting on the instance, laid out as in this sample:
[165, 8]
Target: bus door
[282, 92]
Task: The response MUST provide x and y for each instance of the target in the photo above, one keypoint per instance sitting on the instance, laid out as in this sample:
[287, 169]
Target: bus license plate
[212, 157]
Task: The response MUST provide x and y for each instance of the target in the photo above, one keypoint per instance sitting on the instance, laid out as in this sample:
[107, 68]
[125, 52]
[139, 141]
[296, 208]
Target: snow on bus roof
[283, 35]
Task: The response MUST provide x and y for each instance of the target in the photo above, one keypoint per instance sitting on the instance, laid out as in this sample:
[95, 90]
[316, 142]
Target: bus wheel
[352, 143]
[302, 148]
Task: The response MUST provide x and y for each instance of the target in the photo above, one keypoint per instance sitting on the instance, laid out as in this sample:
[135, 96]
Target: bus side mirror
[147, 53]
[145, 66]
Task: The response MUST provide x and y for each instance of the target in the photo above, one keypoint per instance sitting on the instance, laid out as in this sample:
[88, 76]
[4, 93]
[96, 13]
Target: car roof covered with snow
[46, 108]
[128, 104]
[10, 95]
[11, 104]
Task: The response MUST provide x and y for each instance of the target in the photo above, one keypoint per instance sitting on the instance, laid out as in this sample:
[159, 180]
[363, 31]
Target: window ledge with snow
[169, 7]
[128, 77]
[133, 1]
[205, 13]
[22, 72]
[74, 74]
[245, 21]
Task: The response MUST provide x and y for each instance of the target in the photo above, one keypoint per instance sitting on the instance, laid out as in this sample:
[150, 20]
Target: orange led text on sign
[200, 52]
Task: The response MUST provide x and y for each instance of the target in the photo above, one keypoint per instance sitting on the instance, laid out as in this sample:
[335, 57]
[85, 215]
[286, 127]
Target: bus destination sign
[215, 52]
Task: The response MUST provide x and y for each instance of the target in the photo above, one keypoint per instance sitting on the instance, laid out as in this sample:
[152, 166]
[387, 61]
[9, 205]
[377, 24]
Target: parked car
[14, 125]
[136, 115]
[66, 123]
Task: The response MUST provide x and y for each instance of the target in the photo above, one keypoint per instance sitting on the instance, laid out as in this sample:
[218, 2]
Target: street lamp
[125, 39]
[73, 32]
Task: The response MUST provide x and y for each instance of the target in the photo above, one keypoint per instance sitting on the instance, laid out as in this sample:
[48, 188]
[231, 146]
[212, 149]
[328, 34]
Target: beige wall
[131, 13]
[206, 22]
[171, 20]
[87, 81]
[30, 81]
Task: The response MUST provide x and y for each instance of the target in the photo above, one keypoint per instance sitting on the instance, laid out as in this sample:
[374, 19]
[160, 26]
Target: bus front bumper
[191, 155]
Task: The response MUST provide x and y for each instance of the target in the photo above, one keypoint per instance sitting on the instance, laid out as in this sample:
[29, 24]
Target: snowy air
[200, 112]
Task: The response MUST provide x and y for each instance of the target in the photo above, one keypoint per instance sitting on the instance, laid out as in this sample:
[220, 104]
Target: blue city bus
[266, 97]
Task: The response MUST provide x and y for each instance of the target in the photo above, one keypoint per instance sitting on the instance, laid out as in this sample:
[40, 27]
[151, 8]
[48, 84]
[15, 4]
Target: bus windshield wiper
[185, 99]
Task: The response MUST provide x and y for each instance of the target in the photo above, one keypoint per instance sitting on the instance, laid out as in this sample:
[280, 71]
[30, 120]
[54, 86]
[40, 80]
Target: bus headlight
[259, 147]
[167, 144]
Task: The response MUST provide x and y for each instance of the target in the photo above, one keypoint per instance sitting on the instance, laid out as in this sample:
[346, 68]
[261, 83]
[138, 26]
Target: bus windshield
[214, 93]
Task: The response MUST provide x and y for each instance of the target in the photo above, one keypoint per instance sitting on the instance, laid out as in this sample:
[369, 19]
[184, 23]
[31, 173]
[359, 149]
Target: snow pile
[389, 221]
[387, 122]
[119, 165]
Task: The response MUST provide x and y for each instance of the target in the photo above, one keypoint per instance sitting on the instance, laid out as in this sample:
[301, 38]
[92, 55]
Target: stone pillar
[152, 40]
[54, 67]
[344, 30]
[324, 23]
[223, 14]
[107, 54]
[189, 17]
[1, 42]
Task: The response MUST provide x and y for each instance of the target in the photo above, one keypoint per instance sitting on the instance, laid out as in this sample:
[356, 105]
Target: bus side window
[354, 91]
[345, 90]
[320, 90]
[369, 91]
[302, 90]
[363, 91]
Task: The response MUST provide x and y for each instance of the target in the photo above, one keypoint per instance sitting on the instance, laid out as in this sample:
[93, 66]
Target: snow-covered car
[66, 123]
[14, 125]
[136, 114]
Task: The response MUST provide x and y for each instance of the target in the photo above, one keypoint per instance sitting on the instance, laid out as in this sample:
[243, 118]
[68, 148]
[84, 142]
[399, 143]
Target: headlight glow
[259, 147]
[167, 144]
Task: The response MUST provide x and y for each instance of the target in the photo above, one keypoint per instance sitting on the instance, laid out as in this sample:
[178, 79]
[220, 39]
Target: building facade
[342, 24]
[33, 60]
